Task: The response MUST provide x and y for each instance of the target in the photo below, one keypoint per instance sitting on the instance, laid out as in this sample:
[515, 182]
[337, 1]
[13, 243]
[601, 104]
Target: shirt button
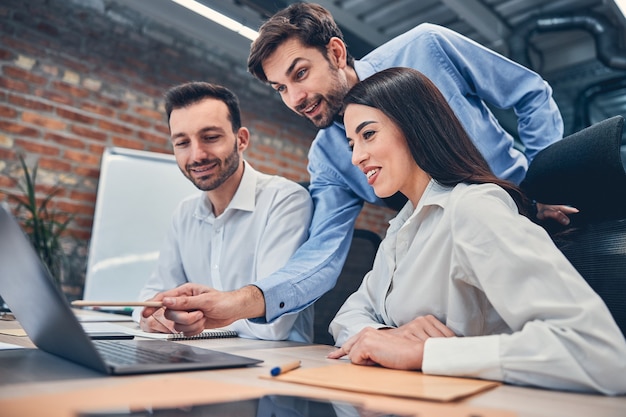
[281, 305]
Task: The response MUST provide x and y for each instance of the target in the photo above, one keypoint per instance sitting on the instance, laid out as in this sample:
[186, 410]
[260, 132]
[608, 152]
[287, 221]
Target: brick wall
[76, 77]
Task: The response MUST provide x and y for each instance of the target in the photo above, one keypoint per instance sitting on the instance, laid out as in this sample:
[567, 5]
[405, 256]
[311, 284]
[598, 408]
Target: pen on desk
[278, 370]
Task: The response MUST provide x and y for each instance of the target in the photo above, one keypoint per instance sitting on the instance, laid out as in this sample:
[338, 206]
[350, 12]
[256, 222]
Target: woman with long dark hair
[463, 284]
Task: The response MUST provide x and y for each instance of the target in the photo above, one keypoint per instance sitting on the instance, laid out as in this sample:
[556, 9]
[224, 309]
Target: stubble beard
[227, 168]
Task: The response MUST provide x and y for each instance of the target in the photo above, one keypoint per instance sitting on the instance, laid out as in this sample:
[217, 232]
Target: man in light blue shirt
[300, 52]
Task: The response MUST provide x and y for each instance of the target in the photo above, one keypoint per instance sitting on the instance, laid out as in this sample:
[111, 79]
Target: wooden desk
[36, 378]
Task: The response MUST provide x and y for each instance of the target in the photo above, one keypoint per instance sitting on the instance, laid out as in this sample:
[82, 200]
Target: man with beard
[242, 227]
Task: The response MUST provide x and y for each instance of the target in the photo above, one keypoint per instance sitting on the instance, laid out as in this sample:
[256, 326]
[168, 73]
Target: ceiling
[578, 46]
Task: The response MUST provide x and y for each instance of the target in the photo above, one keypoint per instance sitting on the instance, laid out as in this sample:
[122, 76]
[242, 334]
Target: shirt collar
[435, 194]
[363, 69]
[245, 196]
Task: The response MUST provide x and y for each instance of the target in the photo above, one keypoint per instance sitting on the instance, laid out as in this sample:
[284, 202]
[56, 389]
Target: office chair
[586, 170]
[358, 263]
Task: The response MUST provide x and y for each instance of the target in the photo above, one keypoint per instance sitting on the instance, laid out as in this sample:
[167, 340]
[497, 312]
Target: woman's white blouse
[521, 312]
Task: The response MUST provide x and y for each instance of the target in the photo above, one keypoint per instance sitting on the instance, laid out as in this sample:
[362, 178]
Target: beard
[334, 106]
[333, 100]
[209, 182]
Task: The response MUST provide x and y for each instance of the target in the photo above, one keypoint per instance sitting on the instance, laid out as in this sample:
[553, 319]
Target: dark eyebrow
[202, 131]
[362, 125]
[290, 68]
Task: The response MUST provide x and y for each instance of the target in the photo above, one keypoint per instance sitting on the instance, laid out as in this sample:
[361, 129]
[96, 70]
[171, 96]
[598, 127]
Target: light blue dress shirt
[468, 75]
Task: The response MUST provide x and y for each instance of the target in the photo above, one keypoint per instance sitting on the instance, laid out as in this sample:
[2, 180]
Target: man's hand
[157, 323]
[399, 348]
[193, 307]
[558, 213]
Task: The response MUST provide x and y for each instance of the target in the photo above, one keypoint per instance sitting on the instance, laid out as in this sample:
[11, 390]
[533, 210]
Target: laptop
[43, 311]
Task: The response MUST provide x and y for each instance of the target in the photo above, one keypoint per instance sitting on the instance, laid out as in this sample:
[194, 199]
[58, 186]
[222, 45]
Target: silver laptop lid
[42, 310]
[45, 314]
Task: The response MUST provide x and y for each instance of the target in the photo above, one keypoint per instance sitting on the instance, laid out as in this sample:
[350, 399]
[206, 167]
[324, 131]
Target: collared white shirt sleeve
[266, 221]
[521, 312]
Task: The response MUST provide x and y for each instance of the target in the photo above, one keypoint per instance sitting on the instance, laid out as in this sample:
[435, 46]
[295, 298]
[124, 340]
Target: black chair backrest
[584, 170]
[587, 171]
[358, 263]
[598, 252]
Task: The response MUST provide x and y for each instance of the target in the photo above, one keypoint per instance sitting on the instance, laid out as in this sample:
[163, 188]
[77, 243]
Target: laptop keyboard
[127, 354]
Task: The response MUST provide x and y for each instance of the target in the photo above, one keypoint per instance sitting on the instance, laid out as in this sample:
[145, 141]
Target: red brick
[55, 164]
[83, 222]
[7, 154]
[134, 120]
[83, 196]
[163, 128]
[6, 55]
[18, 129]
[149, 137]
[266, 129]
[7, 182]
[65, 141]
[113, 103]
[152, 114]
[97, 109]
[14, 85]
[266, 150]
[114, 127]
[75, 116]
[70, 89]
[96, 149]
[29, 104]
[37, 147]
[22, 74]
[54, 96]
[26, 47]
[165, 151]
[80, 234]
[82, 157]
[86, 172]
[127, 143]
[45, 122]
[88, 133]
[8, 112]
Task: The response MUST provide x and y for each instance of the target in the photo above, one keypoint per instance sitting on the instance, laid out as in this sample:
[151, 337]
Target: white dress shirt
[265, 222]
[521, 312]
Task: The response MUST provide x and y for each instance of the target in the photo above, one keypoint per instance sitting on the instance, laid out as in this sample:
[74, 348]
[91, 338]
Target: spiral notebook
[207, 334]
[100, 327]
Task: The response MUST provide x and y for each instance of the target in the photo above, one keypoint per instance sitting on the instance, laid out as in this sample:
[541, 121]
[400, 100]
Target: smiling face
[207, 150]
[309, 83]
[380, 150]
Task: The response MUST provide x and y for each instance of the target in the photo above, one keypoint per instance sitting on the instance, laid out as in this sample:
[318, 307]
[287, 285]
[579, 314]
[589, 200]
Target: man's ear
[243, 139]
[337, 52]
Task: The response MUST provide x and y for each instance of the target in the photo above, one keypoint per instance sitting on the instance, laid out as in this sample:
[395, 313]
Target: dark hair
[184, 95]
[436, 138]
[310, 23]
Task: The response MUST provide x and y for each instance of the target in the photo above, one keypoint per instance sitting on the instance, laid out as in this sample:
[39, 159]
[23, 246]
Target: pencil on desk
[278, 370]
[87, 303]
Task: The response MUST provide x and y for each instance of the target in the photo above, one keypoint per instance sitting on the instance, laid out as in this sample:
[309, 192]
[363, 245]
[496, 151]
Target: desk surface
[27, 376]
